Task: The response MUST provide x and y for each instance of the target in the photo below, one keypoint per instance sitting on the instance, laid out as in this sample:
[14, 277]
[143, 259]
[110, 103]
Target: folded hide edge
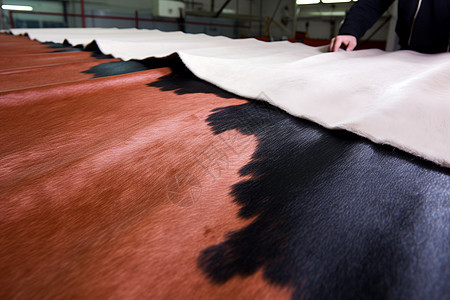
[398, 98]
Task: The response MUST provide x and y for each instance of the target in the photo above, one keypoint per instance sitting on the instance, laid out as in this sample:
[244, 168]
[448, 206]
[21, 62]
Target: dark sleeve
[362, 16]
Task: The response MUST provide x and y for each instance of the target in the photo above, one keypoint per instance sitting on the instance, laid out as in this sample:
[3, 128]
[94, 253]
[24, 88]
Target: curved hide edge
[400, 98]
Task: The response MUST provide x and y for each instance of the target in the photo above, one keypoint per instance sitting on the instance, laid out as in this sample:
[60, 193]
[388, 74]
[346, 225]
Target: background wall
[240, 18]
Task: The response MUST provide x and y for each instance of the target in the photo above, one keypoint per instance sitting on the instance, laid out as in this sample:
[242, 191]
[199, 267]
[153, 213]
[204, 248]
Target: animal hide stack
[136, 179]
[399, 98]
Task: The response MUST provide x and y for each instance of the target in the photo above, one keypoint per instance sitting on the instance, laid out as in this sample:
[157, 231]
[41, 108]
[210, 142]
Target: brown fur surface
[111, 188]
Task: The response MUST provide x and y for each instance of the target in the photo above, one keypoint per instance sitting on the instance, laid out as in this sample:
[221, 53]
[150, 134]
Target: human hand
[348, 41]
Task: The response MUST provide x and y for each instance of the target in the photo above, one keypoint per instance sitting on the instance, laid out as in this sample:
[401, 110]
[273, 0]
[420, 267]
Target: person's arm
[359, 19]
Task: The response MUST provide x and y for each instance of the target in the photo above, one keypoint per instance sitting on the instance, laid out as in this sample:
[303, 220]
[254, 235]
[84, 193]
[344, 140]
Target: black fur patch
[336, 216]
[124, 67]
[184, 82]
[69, 50]
[55, 45]
[64, 47]
[93, 47]
[115, 68]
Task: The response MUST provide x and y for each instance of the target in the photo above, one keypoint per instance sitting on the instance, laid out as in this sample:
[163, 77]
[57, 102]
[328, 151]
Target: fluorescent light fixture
[17, 7]
[303, 2]
[328, 14]
[229, 11]
[335, 1]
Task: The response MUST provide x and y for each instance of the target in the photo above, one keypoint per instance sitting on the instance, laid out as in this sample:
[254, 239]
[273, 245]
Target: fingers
[335, 44]
[351, 46]
[348, 42]
[331, 47]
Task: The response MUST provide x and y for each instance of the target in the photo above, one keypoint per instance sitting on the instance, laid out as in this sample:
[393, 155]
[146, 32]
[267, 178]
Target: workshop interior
[222, 149]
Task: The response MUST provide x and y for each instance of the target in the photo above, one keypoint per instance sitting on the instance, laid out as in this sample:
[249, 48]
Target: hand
[348, 41]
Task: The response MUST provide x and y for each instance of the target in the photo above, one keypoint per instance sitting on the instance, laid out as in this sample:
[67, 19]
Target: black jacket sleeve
[362, 16]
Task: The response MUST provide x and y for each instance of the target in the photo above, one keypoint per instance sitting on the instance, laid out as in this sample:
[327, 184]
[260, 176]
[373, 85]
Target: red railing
[83, 17]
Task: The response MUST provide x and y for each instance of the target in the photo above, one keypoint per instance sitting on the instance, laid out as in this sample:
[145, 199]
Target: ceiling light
[327, 14]
[303, 2]
[17, 7]
[335, 1]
